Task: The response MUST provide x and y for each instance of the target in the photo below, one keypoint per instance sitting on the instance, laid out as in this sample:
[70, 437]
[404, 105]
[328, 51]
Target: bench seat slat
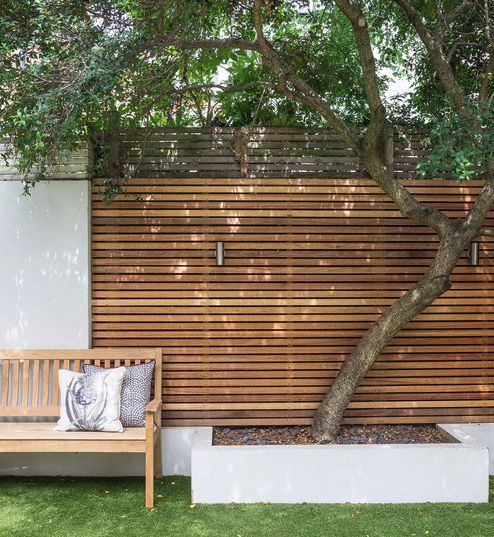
[5, 383]
[45, 431]
[28, 411]
[15, 385]
[46, 382]
[25, 381]
[54, 396]
[35, 395]
[72, 446]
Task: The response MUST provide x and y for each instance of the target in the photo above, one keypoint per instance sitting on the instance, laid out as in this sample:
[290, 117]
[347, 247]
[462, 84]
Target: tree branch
[306, 95]
[227, 43]
[377, 110]
[445, 19]
[458, 10]
[436, 54]
[487, 78]
[368, 64]
[407, 204]
[481, 207]
[224, 89]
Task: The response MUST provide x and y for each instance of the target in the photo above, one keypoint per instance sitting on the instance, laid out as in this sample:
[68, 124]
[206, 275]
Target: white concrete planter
[386, 473]
[473, 433]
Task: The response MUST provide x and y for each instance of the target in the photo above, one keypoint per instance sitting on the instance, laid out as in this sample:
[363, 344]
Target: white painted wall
[44, 265]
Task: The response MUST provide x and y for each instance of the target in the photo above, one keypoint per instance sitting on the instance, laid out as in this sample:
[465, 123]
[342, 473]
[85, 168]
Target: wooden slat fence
[310, 262]
[253, 152]
[71, 165]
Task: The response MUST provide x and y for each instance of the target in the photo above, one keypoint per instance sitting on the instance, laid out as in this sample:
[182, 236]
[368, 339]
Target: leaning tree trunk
[434, 283]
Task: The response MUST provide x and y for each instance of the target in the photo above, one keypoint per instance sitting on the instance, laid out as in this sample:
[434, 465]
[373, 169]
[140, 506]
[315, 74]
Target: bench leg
[158, 463]
[149, 471]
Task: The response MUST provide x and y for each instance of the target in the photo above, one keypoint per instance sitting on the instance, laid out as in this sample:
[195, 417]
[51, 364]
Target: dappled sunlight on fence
[309, 264]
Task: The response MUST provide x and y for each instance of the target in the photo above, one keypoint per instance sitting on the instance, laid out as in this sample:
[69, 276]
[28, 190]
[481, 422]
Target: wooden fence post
[239, 147]
[111, 153]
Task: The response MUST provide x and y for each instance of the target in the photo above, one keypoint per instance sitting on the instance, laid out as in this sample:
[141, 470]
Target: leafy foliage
[60, 80]
[73, 70]
[457, 149]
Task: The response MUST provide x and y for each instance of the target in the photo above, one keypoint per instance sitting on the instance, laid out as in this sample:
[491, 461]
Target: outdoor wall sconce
[220, 253]
[473, 254]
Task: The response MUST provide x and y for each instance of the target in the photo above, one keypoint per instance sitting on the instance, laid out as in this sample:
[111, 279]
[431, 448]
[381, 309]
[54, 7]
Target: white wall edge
[89, 265]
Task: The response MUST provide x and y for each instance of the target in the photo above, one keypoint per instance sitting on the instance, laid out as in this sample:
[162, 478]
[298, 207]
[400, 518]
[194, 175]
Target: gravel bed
[349, 434]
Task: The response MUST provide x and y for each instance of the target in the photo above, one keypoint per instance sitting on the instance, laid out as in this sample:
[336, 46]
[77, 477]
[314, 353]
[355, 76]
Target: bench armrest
[153, 406]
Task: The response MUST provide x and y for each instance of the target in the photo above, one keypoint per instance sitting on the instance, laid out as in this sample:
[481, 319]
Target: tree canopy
[73, 69]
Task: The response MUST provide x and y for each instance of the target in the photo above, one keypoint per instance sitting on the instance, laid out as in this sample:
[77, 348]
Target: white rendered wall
[44, 265]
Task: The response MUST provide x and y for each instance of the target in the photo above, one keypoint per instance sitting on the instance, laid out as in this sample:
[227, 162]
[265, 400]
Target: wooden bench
[29, 389]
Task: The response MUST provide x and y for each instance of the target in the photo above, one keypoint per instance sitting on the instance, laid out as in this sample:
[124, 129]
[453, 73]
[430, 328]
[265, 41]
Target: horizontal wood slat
[309, 264]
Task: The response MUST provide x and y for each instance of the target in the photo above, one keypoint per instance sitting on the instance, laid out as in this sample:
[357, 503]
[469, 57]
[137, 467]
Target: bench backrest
[29, 378]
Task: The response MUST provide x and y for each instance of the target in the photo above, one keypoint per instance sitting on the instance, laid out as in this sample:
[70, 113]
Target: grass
[88, 507]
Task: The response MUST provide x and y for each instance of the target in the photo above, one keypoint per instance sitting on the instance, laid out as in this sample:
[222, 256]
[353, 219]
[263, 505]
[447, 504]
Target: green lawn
[86, 507]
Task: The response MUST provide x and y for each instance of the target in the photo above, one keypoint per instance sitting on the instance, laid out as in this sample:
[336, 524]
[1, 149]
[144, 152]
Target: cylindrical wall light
[220, 253]
[474, 254]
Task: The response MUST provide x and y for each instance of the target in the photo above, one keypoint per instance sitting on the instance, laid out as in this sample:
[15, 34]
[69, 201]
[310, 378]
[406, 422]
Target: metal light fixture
[220, 253]
[473, 254]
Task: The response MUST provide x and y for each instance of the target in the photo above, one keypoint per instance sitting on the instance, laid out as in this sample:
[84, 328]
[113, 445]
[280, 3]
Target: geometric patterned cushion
[136, 392]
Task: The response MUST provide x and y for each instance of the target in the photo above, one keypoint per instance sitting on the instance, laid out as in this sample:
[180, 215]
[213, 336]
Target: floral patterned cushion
[90, 401]
[136, 392]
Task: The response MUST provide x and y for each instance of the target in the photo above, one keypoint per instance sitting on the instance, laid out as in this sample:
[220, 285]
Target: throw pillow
[136, 392]
[91, 401]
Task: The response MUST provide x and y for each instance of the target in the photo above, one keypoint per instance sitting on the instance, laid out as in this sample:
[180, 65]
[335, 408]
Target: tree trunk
[435, 282]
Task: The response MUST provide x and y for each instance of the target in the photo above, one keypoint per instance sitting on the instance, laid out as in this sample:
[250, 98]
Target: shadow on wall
[44, 265]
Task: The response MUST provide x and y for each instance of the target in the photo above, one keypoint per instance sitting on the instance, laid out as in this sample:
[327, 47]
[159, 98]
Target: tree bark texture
[434, 283]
